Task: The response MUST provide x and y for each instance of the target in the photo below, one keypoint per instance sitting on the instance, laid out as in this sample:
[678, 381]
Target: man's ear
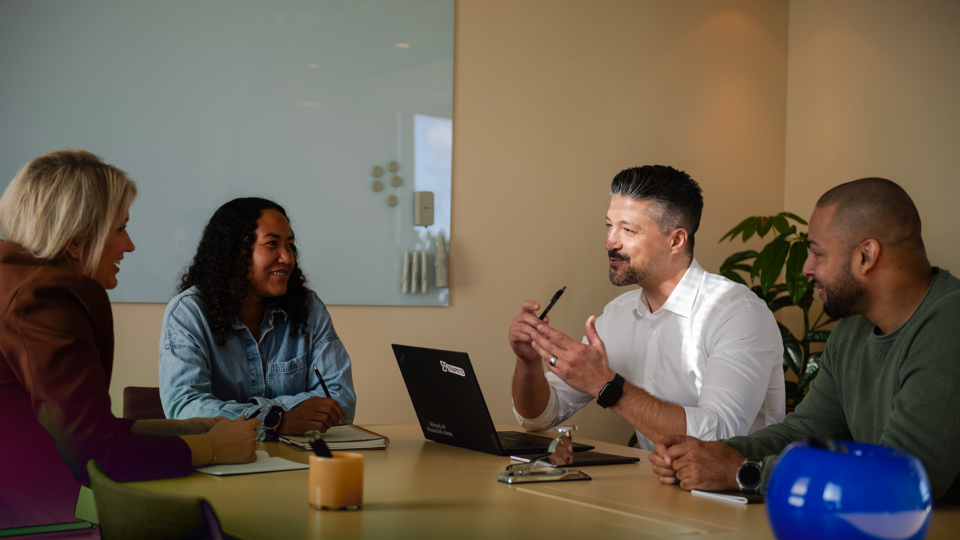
[865, 256]
[678, 241]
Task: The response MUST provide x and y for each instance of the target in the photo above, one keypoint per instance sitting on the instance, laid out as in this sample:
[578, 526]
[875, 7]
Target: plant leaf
[751, 227]
[769, 250]
[765, 224]
[773, 266]
[817, 336]
[810, 372]
[735, 258]
[732, 233]
[735, 277]
[794, 217]
[792, 353]
[758, 291]
[796, 281]
[781, 224]
[779, 303]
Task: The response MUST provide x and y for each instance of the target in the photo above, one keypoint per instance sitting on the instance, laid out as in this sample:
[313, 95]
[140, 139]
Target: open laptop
[446, 395]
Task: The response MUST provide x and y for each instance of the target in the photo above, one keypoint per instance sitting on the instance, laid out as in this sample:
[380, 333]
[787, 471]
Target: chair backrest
[142, 403]
[126, 512]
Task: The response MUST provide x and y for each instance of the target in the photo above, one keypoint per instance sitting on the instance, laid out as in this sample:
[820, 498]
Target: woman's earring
[74, 255]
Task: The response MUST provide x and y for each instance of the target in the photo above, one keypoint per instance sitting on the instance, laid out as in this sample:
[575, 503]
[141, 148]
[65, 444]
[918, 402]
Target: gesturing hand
[583, 366]
[314, 413]
[524, 330]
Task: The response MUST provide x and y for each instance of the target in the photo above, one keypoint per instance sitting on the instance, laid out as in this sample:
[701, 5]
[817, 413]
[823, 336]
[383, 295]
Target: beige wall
[874, 90]
[551, 100]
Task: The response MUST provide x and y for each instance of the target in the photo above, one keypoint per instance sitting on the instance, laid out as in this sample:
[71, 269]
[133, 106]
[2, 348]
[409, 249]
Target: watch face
[749, 474]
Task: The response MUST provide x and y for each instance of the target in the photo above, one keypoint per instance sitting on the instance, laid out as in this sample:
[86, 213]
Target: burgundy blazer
[56, 358]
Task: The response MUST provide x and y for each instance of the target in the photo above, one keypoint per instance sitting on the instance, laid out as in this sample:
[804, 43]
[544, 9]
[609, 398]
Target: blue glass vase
[848, 490]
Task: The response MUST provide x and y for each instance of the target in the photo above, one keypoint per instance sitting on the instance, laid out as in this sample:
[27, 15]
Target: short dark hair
[219, 268]
[874, 208]
[678, 198]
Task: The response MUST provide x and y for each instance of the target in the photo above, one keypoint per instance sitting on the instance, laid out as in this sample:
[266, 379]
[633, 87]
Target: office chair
[142, 403]
[127, 512]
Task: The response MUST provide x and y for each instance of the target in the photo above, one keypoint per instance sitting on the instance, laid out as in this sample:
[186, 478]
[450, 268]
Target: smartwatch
[271, 420]
[611, 392]
[750, 474]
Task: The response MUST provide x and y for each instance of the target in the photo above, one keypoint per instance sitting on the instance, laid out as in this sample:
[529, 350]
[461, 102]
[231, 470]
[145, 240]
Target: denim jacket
[199, 378]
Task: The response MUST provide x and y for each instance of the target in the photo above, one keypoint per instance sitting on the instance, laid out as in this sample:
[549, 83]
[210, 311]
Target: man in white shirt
[689, 352]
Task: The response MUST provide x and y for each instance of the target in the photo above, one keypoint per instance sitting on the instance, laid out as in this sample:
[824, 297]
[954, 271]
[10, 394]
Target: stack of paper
[341, 438]
[264, 463]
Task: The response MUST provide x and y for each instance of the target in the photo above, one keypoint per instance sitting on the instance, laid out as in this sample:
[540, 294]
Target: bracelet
[213, 448]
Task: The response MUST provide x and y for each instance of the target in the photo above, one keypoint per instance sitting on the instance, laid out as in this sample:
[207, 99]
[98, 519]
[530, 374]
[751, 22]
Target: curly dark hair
[220, 267]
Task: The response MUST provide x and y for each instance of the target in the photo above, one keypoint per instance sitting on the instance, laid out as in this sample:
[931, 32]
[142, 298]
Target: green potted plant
[761, 271]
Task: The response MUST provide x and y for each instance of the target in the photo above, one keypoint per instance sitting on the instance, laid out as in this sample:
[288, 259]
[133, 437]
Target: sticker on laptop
[439, 429]
[452, 369]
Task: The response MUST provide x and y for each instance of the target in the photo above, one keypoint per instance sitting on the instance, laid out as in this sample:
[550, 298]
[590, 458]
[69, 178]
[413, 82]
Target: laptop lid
[446, 396]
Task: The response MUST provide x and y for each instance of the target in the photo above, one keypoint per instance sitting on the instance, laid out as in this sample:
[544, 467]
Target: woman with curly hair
[245, 331]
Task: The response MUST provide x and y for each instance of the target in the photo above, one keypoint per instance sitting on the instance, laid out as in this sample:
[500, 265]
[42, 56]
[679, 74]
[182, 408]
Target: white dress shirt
[713, 348]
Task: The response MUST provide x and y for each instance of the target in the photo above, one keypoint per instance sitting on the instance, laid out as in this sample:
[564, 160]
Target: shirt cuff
[546, 420]
[702, 423]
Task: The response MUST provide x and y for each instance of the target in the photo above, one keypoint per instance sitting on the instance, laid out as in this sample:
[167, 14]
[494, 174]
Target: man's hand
[584, 367]
[315, 413]
[235, 441]
[696, 464]
[524, 330]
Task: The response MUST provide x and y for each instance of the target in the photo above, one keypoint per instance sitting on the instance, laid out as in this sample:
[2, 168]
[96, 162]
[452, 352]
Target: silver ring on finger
[553, 360]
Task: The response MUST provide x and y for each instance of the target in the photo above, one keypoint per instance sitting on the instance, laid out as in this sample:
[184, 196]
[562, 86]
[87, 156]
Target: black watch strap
[610, 395]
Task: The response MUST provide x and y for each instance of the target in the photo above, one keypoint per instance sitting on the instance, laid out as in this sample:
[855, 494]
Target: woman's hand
[234, 441]
[315, 413]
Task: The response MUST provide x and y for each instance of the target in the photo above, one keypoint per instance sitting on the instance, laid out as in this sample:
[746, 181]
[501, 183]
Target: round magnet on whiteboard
[377, 171]
[393, 166]
[396, 181]
[377, 185]
[392, 200]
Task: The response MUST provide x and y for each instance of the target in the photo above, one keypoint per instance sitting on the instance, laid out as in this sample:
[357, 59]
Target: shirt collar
[268, 314]
[682, 298]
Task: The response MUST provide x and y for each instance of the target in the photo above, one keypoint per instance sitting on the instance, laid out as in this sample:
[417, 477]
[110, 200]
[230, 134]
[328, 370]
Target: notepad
[264, 463]
[341, 438]
[730, 496]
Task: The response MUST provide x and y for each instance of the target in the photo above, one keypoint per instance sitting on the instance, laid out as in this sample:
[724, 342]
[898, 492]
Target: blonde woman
[63, 220]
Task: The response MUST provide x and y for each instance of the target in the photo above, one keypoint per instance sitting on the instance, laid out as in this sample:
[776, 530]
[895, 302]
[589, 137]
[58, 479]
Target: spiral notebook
[341, 438]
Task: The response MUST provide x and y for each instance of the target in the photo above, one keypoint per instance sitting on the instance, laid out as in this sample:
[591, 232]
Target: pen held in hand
[326, 391]
[552, 302]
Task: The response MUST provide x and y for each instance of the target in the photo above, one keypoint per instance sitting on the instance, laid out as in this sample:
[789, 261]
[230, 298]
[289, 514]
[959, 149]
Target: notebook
[735, 497]
[264, 463]
[341, 438]
[450, 407]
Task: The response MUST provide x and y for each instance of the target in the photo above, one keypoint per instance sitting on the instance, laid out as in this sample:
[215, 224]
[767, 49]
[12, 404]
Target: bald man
[890, 372]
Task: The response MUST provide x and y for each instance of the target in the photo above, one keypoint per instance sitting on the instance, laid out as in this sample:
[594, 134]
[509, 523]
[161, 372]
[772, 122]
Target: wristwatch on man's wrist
[611, 392]
[272, 420]
[750, 474]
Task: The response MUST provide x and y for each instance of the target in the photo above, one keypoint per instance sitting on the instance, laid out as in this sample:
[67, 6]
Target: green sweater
[900, 390]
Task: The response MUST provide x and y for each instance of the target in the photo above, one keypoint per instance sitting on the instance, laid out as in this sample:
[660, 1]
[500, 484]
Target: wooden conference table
[422, 489]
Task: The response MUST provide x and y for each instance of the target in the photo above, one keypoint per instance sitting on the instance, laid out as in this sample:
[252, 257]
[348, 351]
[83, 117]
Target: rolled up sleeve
[745, 347]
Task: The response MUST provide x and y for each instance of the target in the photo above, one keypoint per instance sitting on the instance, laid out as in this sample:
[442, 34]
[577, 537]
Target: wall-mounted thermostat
[423, 208]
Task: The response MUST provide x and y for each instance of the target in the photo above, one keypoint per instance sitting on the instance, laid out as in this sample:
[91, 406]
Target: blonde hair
[61, 197]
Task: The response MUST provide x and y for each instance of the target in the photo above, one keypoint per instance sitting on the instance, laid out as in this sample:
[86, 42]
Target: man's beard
[628, 273]
[842, 295]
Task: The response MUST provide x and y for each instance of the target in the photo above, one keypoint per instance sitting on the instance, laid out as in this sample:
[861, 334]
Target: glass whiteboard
[203, 101]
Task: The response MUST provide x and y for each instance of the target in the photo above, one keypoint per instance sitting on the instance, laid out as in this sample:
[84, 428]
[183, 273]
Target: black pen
[542, 315]
[325, 389]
